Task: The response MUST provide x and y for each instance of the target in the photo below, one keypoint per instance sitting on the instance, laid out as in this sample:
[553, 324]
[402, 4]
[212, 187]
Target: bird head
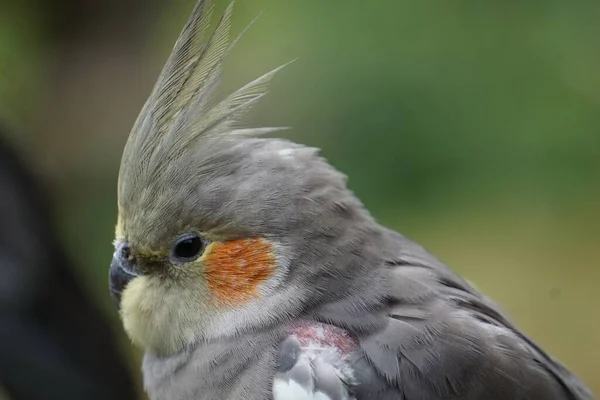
[220, 231]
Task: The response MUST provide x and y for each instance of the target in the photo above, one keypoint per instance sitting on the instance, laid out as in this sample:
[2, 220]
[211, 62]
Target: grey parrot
[246, 269]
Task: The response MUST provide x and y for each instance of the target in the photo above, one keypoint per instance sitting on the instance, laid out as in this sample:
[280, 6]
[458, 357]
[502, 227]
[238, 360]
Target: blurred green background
[472, 127]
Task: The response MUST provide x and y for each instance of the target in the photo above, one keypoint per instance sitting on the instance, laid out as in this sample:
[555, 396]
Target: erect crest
[181, 122]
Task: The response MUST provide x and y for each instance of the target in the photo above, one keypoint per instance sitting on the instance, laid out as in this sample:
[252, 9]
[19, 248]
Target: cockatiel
[247, 270]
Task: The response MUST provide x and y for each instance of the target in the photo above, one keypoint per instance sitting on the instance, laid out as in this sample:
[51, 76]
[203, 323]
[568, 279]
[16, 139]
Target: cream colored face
[170, 301]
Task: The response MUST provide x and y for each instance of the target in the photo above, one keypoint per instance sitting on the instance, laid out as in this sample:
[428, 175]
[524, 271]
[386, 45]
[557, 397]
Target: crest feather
[181, 111]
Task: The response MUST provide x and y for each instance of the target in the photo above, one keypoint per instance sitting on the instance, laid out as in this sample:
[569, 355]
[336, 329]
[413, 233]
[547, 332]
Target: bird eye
[188, 247]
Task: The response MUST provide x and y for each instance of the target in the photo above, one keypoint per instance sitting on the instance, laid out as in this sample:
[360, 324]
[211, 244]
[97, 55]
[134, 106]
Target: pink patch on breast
[312, 332]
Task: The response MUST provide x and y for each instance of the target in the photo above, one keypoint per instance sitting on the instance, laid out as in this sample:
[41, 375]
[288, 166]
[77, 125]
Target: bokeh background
[472, 127]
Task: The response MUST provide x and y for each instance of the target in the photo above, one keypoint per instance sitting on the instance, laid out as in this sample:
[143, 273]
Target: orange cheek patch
[234, 269]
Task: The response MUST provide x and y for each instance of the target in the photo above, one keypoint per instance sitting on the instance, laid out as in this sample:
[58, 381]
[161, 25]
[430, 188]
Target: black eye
[188, 247]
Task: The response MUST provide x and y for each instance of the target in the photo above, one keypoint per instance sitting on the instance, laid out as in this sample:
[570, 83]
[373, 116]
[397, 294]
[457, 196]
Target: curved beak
[121, 272]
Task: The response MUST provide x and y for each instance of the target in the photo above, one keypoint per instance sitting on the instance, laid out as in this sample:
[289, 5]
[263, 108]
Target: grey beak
[121, 272]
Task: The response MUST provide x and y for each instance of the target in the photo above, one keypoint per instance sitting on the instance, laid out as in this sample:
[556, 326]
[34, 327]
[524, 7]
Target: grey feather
[234, 369]
[443, 340]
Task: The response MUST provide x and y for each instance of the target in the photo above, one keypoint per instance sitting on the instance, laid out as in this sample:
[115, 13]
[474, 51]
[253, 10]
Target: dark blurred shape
[54, 343]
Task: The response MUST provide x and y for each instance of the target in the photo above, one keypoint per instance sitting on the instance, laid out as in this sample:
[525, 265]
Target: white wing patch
[312, 372]
[292, 390]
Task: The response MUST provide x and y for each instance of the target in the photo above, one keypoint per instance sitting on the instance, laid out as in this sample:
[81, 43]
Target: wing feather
[438, 338]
